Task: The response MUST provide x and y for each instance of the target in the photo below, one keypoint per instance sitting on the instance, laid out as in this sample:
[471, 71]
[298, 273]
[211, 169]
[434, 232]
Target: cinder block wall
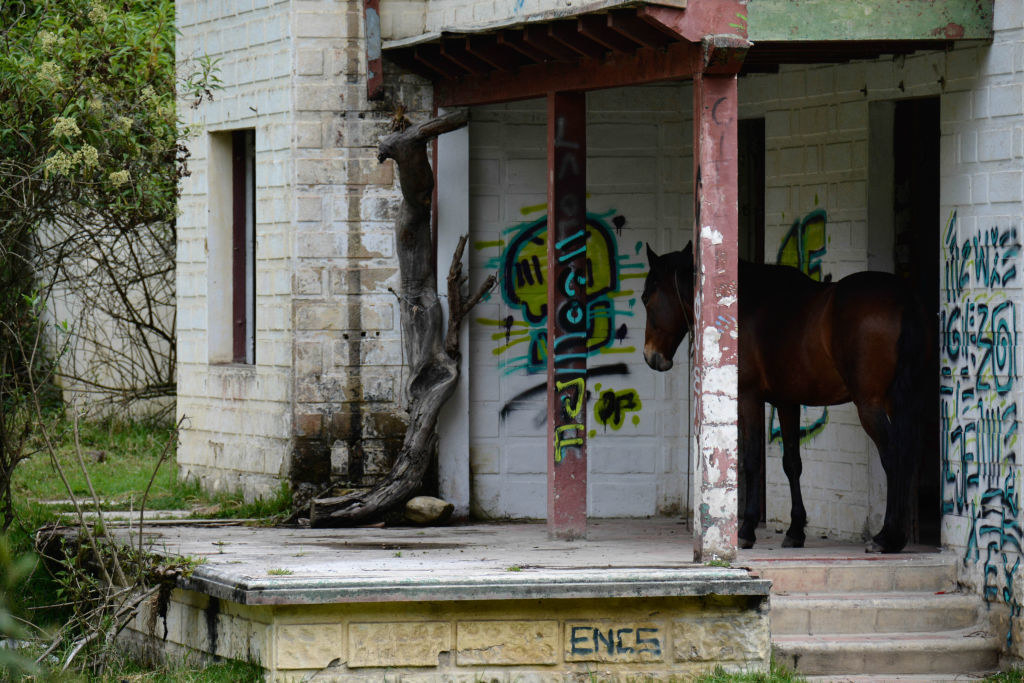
[816, 167]
[404, 18]
[818, 146]
[442, 14]
[328, 356]
[980, 324]
[638, 179]
[347, 343]
[238, 429]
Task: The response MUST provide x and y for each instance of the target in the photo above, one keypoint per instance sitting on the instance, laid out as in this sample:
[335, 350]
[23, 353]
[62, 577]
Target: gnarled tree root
[433, 357]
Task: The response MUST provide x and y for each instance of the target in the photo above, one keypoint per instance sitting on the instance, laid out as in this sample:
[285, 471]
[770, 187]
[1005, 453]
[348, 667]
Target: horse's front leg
[789, 421]
[752, 445]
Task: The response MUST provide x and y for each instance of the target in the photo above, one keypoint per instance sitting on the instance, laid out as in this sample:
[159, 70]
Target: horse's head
[668, 298]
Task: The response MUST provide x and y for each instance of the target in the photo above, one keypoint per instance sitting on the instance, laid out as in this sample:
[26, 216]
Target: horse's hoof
[746, 544]
[884, 543]
[790, 542]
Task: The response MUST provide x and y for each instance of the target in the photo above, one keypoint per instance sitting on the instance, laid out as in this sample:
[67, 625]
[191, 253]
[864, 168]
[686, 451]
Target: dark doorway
[916, 259]
[751, 246]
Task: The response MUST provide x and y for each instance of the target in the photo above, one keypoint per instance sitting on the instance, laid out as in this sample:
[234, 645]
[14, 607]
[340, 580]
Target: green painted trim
[818, 20]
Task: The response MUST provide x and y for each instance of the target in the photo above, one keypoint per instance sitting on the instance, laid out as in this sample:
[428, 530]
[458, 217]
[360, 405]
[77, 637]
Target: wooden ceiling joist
[628, 25]
[514, 40]
[567, 33]
[499, 56]
[430, 56]
[538, 37]
[456, 52]
[595, 27]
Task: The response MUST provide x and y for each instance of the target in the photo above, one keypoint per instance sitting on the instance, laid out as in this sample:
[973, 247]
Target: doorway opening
[903, 238]
[750, 167]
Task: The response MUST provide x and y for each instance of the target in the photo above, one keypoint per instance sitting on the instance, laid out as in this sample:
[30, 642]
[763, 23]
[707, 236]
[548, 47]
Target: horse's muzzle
[656, 361]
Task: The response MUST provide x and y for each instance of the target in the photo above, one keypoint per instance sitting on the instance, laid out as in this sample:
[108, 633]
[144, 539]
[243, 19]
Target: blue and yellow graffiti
[978, 401]
[803, 248]
[522, 273]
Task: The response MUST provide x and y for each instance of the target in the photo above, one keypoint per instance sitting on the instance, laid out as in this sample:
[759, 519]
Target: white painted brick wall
[638, 150]
[328, 346]
[817, 142]
[983, 132]
[238, 429]
[347, 341]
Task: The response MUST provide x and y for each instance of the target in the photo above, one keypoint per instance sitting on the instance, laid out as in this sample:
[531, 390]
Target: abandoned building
[857, 136]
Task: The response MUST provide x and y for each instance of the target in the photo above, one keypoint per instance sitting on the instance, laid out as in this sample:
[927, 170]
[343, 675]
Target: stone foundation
[473, 640]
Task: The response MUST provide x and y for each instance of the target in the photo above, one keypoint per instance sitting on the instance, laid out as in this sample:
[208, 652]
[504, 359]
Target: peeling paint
[721, 380]
[718, 437]
[709, 233]
[719, 409]
[721, 502]
[712, 352]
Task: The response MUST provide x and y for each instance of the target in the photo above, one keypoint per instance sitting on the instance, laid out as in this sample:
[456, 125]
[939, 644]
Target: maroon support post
[715, 329]
[568, 318]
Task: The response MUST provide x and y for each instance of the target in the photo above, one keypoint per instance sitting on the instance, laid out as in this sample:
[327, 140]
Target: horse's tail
[908, 394]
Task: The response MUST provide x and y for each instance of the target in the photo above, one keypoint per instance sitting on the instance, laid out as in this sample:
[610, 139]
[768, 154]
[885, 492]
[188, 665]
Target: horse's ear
[688, 253]
[651, 256]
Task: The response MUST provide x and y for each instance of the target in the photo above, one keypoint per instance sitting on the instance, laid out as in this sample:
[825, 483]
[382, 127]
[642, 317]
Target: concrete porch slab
[619, 558]
[470, 602]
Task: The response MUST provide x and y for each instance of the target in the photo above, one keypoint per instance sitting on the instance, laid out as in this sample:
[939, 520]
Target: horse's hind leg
[891, 538]
[753, 446]
[789, 421]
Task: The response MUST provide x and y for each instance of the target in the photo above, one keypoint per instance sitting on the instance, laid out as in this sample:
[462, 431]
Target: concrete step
[967, 650]
[903, 678]
[930, 572]
[849, 613]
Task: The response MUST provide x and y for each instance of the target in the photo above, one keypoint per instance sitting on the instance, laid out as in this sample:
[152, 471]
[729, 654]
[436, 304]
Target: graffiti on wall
[521, 336]
[803, 247]
[613, 406]
[978, 403]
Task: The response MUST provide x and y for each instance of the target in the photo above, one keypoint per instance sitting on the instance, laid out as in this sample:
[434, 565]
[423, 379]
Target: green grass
[121, 669]
[1011, 676]
[120, 457]
[777, 674]
[130, 451]
[231, 506]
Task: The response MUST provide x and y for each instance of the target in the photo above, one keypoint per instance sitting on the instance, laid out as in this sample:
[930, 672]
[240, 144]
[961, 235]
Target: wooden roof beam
[595, 27]
[646, 65]
[627, 25]
[498, 56]
[514, 41]
[699, 19]
[430, 56]
[455, 51]
[537, 36]
[568, 34]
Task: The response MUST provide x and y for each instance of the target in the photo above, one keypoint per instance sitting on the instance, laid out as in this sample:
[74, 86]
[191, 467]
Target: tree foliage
[88, 127]
[91, 152]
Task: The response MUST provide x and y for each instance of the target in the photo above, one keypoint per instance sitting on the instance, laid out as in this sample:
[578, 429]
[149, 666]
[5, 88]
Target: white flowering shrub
[91, 153]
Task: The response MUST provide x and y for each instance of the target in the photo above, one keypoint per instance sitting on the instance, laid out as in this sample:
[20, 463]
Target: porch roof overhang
[610, 43]
[598, 44]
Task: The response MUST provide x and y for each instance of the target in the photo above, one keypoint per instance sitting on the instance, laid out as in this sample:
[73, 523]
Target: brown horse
[802, 342]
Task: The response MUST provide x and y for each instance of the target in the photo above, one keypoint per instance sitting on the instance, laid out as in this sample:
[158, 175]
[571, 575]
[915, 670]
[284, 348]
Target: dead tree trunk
[433, 357]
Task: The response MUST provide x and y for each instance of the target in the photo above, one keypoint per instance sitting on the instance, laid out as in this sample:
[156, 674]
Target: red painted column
[716, 344]
[567, 315]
